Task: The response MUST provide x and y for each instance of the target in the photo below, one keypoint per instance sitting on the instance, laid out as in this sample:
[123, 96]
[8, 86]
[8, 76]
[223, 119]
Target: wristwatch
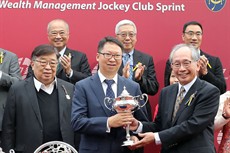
[225, 117]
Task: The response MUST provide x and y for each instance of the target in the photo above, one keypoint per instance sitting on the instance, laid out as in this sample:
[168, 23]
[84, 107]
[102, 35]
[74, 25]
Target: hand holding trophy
[126, 102]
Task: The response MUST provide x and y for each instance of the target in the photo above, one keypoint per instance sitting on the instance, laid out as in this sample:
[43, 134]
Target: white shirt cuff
[107, 127]
[157, 138]
[139, 128]
[0, 75]
[70, 75]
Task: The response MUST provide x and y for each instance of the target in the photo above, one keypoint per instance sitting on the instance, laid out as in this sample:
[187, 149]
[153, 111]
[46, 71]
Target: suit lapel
[32, 96]
[99, 93]
[120, 85]
[136, 58]
[62, 99]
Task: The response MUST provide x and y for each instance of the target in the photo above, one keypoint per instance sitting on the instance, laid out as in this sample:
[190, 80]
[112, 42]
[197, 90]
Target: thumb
[141, 135]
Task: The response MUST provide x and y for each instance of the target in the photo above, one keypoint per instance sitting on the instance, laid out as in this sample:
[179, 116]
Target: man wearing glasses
[73, 65]
[185, 118]
[211, 68]
[102, 130]
[136, 65]
[38, 109]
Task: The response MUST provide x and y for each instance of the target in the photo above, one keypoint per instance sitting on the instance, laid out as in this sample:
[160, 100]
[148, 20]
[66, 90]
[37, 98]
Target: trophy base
[127, 143]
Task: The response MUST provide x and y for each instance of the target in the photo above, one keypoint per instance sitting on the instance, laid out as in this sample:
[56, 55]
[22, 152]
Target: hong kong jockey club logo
[24, 64]
[215, 5]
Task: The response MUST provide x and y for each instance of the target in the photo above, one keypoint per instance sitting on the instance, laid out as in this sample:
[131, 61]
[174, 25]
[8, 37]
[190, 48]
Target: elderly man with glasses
[38, 109]
[136, 65]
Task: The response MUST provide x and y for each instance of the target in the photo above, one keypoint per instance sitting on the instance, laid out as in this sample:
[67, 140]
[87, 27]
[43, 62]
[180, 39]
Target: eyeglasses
[191, 33]
[43, 63]
[125, 34]
[55, 33]
[108, 56]
[185, 64]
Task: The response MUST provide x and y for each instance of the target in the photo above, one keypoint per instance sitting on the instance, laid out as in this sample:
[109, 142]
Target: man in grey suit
[139, 66]
[9, 74]
[102, 130]
[185, 120]
[38, 109]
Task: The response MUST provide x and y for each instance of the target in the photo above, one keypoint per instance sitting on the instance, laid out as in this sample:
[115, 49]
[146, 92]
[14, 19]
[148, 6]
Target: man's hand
[125, 70]
[135, 140]
[139, 71]
[134, 125]
[226, 109]
[203, 61]
[147, 138]
[121, 119]
[66, 64]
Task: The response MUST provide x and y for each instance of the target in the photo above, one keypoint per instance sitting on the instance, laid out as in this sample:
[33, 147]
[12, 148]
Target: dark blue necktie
[109, 90]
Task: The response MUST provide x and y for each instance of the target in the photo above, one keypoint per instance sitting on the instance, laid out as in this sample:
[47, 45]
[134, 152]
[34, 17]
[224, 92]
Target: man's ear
[97, 57]
[32, 65]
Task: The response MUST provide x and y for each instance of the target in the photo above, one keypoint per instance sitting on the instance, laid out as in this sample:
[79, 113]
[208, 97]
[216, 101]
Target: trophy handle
[109, 103]
[141, 98]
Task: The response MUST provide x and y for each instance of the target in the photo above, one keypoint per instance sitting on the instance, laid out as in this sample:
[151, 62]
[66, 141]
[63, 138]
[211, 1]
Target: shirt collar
[102, 77]
[48, 89]
[130, 53]
[187, 86]
[62, 51]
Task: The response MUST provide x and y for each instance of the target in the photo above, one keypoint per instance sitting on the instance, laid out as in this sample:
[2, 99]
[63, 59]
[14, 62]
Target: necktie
[126, 59]
[58, 65]
[109, 90]
[178, 102]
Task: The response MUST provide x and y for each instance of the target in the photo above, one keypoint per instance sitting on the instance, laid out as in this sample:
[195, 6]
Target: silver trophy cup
[126, 102]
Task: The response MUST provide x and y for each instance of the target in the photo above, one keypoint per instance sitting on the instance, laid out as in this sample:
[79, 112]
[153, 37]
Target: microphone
[66, 93]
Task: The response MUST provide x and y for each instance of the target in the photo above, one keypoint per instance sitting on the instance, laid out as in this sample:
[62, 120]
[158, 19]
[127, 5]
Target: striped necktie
[178, 102]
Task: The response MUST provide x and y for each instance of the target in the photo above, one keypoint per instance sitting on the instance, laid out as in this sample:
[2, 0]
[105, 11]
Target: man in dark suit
[211, 68]
[73, 64]
[9, 74]
[38, 109]
[102, 130]
[139, 65]
[185, 120]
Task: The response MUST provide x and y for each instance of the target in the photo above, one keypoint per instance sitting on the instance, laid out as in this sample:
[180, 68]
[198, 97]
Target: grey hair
[195, 53]
[125, 22]
[57, 20]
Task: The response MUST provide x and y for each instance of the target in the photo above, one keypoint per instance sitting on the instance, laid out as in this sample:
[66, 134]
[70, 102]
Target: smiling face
[127, 36]
[184, 67]
[109, 66]
[193, 36]
[58, 34]
[45, 73]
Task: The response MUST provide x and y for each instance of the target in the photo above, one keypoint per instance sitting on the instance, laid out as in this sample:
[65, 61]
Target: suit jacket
[192, 129]
[148, 82]
[89, 116]
[214, 76]
[79, 65]
[22, 122]
[10, 74]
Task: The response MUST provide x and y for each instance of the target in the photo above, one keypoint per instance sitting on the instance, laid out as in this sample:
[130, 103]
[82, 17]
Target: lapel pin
[1, 57]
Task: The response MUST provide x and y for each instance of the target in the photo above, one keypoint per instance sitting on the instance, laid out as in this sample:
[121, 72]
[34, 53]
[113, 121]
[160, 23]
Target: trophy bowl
[126, 102]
